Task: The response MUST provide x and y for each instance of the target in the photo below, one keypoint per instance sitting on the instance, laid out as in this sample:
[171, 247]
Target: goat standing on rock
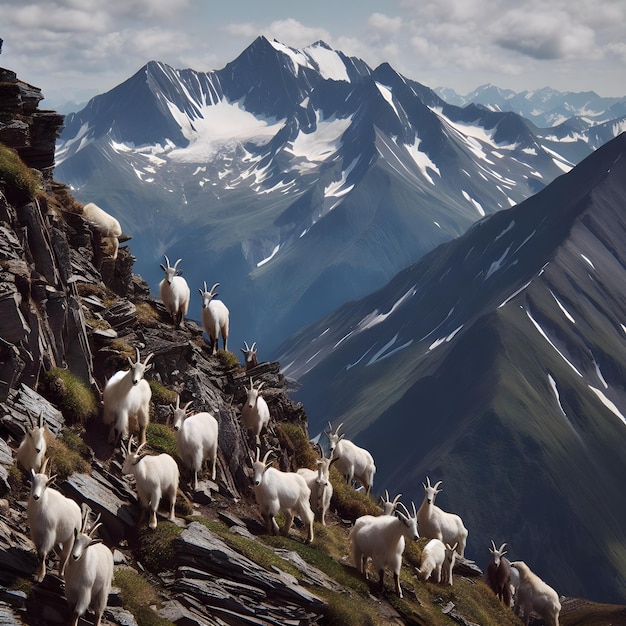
[52, 519]
[255, 414]
[215, 317]
[127, 394]
[89, 573]
[438, 524]
[249, 355]
[174, 292]
[535, 595]
[351, 461]
[196, 437]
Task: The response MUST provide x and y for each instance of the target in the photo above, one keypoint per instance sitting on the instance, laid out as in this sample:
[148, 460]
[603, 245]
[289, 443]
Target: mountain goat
[52, 519]
[389, 506]
[383, 539]
[320, 486]
[196, 438]
[249, 355]
[174, 292]
[89, 573]
[281, 491]
[127, 394]
[255, 413]
[155, 477]
[535, 595]
[108, 227]
[433, 557]
[351, 461]
[448, 564]
[438, 524]
[215, 317]
[32, 449]
[499, 574]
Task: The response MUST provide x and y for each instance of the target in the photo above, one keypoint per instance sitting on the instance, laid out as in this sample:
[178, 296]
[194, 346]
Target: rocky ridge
[65, 305]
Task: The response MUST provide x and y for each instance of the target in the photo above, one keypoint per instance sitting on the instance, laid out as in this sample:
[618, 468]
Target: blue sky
[73, 49]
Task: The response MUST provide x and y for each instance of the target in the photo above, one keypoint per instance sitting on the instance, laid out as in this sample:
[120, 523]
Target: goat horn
[502, 548]
[405, 510]
[266, 456]
[437, 485]
[176, 264]
[148, 358]
[414, 510]
[258, 454]
[245, 345]
[137, 353]
[30, 419]
[177, 401]
[493, 546]
[205, 289]
[85, 510]
[253, 346]
[44, 465]
[258, 387]
[187, 405]
[94, 528]
[41, 419]
[140, 456]
[386, 498]
[338, 427]
[166, 260]
[395, 500]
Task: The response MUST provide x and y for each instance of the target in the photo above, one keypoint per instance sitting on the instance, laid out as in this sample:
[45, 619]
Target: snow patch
[607, 403]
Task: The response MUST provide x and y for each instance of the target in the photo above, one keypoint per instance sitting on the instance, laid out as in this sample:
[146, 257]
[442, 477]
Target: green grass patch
[348, 502]
[63, 459]
[74, 398]
[294, 439]
[147, 315]
[156, 551]
[138, 596]
[162, 439]
[229, 359]
[161, 394]
[15, 173]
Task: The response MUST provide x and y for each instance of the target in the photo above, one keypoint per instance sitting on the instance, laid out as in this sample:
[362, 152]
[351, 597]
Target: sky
[75, 49]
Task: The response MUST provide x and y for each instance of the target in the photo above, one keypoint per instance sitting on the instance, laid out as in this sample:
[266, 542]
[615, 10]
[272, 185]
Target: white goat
[52, 519]
[433, 558]
[108, 227]
[438, 524]
[127, 394]
[351, 460]
[89, 573]
[32, 449]
[281, 491]
[389, 506]
[174, 292]
[535, 595]
[196, 437]
[155, 476]
[320, 486]
[383, 539]
[255, 413]
[249, 355]
[215, 317]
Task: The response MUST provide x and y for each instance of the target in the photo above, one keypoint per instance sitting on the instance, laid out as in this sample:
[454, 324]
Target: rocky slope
[66, 307]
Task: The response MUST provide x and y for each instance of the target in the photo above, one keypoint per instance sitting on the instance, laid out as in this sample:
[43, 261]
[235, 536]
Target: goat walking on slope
[351, 460]
[52, 518]
[382, 539]
[281, 491]
[535, 595]
[89, 573]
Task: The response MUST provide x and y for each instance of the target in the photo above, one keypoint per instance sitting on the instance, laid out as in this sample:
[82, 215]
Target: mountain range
[299, 179]
[443, 280]
[496, 364]
[545, 107]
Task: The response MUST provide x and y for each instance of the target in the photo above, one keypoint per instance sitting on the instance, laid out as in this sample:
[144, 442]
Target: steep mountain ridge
[306, 177]
[499, 357]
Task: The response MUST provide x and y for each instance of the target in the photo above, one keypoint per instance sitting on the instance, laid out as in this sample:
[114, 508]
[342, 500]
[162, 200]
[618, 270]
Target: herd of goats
[86, 565]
